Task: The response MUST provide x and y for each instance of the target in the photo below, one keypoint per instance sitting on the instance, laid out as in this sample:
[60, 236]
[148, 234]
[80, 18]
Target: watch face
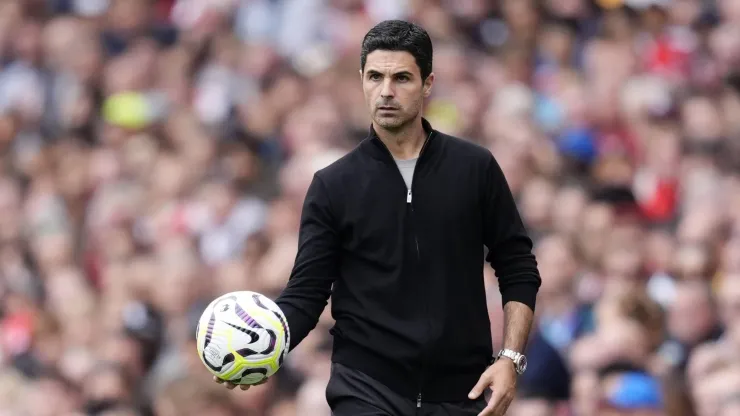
[522, 365]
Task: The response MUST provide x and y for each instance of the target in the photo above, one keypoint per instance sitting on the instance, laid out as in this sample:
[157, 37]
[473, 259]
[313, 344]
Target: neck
[405, 143]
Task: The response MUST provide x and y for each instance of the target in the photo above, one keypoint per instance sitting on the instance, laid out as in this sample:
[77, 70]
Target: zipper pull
[418, 401]
[408, 197]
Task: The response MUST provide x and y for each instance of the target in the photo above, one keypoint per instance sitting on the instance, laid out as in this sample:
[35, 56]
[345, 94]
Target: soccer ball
[243, 337]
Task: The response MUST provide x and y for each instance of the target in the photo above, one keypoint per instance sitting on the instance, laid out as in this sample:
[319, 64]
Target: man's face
[691, 316]
[393, 88]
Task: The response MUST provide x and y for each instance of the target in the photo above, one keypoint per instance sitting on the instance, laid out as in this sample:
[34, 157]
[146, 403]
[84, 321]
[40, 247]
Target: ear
[360, 71]
[428, 85]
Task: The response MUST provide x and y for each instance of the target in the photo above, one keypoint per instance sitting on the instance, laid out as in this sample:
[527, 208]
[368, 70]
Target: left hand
[500, 377]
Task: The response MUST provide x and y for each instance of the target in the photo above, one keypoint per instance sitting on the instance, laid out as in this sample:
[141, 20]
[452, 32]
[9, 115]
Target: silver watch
[520, 360]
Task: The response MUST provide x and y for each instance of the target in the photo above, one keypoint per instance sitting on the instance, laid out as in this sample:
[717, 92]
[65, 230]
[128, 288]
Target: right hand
[232, 386]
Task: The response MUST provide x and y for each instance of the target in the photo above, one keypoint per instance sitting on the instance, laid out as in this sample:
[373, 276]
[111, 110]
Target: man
[397, 227]
[691, 321]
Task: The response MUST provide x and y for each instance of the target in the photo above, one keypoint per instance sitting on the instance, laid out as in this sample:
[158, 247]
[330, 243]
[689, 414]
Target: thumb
[480, 386]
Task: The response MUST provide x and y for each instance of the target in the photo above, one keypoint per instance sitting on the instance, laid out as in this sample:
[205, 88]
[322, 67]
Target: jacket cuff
[525, 293]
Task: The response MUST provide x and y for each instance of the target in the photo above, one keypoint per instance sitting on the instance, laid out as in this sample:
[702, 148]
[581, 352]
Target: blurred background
[155, 153]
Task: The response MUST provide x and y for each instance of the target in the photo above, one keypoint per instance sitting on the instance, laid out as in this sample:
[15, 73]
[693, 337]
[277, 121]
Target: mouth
[385, 108]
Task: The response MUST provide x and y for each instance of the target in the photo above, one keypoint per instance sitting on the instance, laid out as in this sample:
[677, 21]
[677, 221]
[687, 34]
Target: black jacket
[408, 292]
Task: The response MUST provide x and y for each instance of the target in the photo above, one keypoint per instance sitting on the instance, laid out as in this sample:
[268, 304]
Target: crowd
[155, 153]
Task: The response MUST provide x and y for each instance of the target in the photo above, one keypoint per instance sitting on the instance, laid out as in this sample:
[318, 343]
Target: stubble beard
[395, 123]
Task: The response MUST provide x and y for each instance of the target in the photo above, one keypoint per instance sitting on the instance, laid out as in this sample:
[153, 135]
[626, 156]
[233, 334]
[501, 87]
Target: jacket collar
[379, 150]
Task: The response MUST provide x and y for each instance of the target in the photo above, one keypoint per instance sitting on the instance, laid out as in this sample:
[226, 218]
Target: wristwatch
[520, 360]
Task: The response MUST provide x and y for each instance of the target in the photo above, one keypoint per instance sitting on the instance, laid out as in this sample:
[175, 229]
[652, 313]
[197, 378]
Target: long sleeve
[509, 246]
[315, 268]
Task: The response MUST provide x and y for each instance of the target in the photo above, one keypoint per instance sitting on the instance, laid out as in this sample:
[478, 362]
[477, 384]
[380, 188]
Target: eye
[402, 78]
[374, 77]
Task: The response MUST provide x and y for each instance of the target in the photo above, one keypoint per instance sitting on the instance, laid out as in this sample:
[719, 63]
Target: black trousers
[353, 393]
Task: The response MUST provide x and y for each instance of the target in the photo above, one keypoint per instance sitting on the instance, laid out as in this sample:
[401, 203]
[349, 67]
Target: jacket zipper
[409, 195]
[409, 202]
[418, 256]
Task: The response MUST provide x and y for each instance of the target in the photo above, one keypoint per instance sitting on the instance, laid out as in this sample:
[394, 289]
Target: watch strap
[514, 356]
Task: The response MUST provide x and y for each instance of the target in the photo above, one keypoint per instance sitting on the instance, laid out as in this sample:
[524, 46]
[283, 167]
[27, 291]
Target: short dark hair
[399, 35]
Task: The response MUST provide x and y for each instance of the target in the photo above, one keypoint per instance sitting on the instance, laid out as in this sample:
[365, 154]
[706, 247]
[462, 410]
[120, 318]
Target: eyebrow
[395, 74]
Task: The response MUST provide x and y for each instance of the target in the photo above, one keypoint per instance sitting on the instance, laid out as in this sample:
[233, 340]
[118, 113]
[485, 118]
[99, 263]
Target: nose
[387, 91]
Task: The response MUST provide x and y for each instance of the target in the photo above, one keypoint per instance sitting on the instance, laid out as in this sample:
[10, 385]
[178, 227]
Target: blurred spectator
[155, 154]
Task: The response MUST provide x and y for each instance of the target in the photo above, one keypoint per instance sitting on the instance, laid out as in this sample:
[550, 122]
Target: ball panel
[262, 301]
[253, 375]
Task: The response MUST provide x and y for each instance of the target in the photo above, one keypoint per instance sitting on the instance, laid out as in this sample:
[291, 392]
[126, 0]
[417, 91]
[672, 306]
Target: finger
[479, 387]
[488, 411]
[502, 406]
[245, 387]
[230, 386]
[493, 404]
